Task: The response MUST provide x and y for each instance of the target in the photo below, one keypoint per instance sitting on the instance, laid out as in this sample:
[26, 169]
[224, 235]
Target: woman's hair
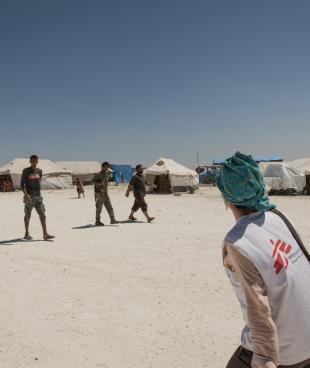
[246, 210]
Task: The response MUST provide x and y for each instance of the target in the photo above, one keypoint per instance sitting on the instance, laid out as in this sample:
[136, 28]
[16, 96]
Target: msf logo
[280, 250]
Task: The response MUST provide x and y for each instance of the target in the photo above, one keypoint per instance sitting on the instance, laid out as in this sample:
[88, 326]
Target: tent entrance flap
[162, 183]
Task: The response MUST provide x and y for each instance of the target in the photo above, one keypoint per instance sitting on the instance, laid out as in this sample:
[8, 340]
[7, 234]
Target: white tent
[302, 164]
[53, 176]
[84, 170]
[282, 177]
[171, 176]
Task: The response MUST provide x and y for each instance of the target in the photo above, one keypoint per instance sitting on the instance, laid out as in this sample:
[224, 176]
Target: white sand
[134, 295]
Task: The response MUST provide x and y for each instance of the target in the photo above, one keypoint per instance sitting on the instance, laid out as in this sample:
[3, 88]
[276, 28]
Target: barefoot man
[137, 184]
[31, 186]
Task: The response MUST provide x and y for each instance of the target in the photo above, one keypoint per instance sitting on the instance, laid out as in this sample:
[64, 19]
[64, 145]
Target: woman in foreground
[269, 269]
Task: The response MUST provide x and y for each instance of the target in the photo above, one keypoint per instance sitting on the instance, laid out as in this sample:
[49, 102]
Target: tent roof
[273, 166]
[80, 167]
[282, 176]
[167, 165]
[302, 164]
[17, 166]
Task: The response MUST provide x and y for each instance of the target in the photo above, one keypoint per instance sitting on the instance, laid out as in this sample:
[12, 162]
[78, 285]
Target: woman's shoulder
[244, 225]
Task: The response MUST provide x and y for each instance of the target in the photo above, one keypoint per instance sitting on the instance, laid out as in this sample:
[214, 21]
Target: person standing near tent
[101, 181]
[137, 184]
[268, 267]
[31, 187]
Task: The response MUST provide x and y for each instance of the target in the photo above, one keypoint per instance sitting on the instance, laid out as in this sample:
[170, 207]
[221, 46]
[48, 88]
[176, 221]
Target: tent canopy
[281, 176]
[84, 170]
[169, 166]
[53, 176]
[302, 164]
[180, 177]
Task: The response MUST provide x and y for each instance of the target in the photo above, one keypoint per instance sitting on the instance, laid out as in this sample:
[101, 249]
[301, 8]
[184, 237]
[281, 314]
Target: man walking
[137, 184]
[31, 186]
[101, 181]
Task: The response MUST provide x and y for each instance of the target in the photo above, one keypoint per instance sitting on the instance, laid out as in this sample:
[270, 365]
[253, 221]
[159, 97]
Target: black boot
[99, 223]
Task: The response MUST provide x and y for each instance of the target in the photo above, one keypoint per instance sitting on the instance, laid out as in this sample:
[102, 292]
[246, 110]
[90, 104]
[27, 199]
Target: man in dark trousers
[137, 184]
[31, 186]
[101, 181]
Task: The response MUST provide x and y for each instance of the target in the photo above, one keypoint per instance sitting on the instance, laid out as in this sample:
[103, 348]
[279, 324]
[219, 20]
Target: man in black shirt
[137, 184]
[30, 184]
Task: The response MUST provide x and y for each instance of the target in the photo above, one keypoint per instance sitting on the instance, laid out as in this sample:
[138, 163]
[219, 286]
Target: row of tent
[168, 175]
[62, 174]
[280, 177]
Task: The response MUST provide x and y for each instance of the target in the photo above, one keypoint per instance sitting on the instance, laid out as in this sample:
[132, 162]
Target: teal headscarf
[242, 184]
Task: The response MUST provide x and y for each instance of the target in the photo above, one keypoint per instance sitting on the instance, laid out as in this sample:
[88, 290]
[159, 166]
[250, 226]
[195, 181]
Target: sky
[129, 81]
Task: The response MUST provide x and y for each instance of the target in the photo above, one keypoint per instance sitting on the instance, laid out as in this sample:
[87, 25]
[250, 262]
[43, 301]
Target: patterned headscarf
[242, 184]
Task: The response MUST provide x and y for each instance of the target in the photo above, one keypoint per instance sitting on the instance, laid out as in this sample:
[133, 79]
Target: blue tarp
[257, 159]
[268, 159]
[122, 173]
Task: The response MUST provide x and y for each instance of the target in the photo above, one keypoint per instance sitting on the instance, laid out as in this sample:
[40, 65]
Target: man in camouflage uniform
[101, 181]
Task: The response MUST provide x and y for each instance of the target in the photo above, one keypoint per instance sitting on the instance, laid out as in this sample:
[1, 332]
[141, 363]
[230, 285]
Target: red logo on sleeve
[280, 249]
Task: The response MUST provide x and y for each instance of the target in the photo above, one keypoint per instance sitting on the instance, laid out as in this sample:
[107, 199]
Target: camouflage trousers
[37, 203]
[103, 199]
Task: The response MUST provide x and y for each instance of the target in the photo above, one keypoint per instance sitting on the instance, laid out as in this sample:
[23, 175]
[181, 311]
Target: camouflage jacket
[101, 181]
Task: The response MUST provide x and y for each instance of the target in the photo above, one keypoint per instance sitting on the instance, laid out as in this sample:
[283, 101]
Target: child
[79, 188]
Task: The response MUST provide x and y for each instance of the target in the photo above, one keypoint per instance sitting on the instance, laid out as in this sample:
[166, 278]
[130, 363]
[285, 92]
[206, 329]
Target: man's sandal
[48, 237]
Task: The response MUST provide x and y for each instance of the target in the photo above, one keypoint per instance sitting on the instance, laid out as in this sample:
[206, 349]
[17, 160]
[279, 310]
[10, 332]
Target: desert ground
[132, 295]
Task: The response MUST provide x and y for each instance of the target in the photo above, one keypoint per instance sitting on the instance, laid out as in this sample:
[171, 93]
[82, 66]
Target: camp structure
[53, 176]
[282, 178]
[122, 173]
[170, 177]
[207, 174]
[302, 164]
[84, 170]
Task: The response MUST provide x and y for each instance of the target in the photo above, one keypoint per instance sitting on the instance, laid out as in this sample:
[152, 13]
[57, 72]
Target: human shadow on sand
[89, 226]
[131, 222]
[21, 240]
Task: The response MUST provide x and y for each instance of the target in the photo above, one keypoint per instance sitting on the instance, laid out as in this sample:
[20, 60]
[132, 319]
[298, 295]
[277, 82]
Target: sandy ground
[133, 295]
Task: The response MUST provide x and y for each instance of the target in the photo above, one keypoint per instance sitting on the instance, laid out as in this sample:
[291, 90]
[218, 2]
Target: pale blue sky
[131, 80]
